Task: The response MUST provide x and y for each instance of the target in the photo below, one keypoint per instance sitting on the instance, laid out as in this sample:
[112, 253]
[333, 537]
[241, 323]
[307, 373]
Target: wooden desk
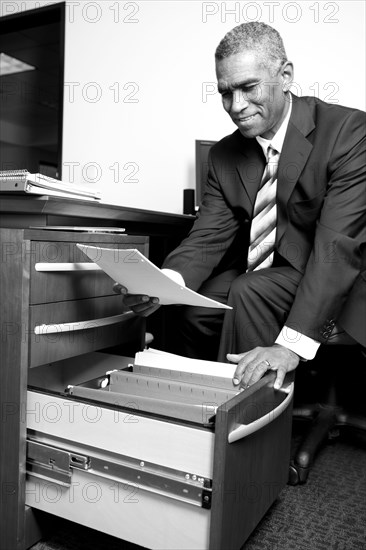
[165, 230]
[18, 252]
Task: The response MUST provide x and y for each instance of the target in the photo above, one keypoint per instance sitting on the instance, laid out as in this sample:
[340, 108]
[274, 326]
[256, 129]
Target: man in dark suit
[286, 250]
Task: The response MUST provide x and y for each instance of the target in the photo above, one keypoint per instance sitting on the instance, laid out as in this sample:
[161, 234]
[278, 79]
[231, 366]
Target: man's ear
[287, 75]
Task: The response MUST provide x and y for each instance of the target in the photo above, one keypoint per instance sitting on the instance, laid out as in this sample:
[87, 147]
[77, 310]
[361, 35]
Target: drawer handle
[81, 266]
[80, 325]
[246, 429]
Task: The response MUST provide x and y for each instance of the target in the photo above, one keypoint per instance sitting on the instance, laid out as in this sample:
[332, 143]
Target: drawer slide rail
[56, 465]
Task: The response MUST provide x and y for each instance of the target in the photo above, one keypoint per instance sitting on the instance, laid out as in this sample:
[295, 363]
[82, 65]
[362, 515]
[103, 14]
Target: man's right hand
[141, 304]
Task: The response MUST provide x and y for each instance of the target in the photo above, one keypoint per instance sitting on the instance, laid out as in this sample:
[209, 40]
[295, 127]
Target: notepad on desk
[22, 181]
[134, 271]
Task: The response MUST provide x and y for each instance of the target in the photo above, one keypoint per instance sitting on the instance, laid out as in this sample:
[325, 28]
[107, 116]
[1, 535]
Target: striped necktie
[263, 228]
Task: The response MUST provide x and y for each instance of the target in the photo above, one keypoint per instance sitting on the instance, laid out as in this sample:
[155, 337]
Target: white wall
[139, 84]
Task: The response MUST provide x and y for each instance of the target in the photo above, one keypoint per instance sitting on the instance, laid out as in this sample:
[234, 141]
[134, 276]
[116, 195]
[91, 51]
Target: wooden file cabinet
[54, 306]
[154, 479]
[156, 457]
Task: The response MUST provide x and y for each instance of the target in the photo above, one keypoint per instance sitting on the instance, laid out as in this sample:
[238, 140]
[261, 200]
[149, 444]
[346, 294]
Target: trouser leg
[261, 301]
[195, 331]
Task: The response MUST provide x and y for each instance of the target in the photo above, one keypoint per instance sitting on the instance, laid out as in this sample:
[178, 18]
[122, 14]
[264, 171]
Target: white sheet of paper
[133, 270]
[163, 360]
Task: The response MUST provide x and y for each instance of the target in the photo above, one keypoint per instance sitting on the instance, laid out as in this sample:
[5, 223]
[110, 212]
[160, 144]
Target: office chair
[328, 419]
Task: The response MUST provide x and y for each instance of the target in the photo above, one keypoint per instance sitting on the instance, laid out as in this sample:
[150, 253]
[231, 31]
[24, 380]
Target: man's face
[254, 98]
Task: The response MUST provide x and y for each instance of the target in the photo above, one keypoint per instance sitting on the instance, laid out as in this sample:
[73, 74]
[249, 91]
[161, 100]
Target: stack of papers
[169, 361]
[22, 181]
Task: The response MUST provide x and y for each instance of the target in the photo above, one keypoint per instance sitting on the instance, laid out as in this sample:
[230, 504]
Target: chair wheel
[293, 476]
[297, 474]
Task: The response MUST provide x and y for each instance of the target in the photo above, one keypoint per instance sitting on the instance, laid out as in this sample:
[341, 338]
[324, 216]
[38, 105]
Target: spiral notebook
[22, 181]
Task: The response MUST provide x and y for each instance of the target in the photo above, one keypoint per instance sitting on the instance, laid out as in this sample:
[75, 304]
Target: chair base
[327, 423]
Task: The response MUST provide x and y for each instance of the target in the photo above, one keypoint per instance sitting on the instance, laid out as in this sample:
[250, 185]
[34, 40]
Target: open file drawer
[163, 462]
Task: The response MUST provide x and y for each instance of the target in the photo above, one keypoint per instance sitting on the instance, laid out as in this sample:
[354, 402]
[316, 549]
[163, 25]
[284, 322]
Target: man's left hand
[253, 364]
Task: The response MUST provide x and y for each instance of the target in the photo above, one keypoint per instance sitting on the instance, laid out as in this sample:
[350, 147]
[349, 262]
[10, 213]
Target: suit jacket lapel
[250, 166]
[295, 153]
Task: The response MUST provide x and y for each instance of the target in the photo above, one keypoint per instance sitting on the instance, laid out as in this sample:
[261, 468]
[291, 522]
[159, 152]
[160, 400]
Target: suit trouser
[261, 301]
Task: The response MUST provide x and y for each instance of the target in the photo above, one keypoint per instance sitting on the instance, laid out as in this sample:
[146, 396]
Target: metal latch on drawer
[52, 463]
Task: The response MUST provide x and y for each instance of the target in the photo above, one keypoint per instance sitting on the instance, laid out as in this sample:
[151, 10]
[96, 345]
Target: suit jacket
[321, 215]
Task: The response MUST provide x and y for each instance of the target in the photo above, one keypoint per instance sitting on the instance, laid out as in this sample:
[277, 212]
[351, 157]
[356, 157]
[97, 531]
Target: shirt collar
[277, 141]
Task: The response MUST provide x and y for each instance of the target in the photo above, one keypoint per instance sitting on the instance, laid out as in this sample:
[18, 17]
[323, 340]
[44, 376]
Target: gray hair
[257, 37]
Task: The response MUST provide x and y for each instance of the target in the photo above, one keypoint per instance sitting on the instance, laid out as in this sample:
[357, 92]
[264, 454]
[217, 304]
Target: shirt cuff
[174, 276]
[302, 345]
